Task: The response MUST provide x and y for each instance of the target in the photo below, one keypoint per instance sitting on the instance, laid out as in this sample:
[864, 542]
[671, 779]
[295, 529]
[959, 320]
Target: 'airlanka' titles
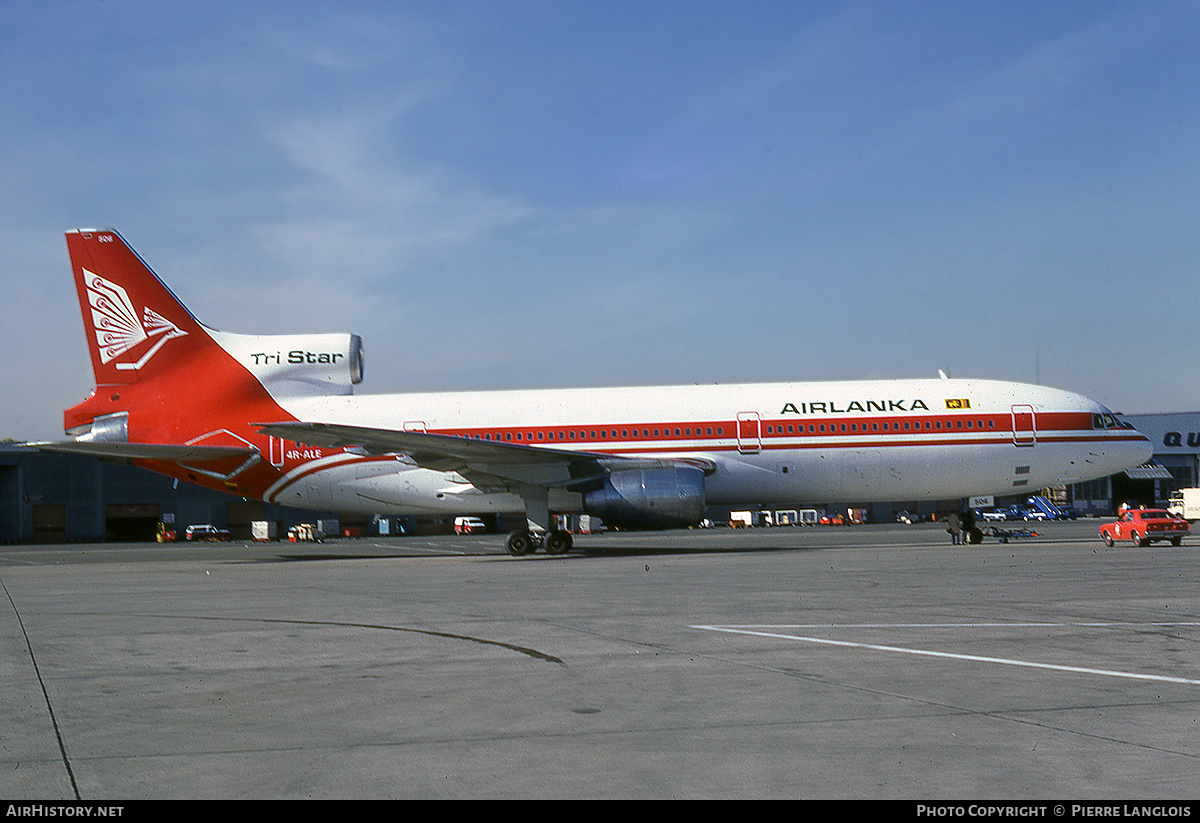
[855, 407]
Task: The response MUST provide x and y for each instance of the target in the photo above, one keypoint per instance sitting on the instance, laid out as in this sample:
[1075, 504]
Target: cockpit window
[1107, 420]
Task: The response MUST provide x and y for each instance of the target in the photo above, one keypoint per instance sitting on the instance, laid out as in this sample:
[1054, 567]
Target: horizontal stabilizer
[164, 452]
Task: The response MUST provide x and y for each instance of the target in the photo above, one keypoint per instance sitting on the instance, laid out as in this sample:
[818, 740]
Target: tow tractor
[1004, 535]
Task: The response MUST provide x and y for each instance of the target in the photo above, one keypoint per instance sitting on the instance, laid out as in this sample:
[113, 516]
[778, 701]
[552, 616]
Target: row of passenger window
[719, 431]
[603, 434]
[887, 426]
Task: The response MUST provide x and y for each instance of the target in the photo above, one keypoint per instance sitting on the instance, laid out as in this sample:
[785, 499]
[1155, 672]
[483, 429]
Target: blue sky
[531, 193]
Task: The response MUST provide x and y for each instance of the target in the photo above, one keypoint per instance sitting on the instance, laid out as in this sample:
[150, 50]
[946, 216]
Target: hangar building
[61, 498]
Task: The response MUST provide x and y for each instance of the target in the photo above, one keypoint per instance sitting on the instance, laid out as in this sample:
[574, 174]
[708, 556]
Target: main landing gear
[521, 543]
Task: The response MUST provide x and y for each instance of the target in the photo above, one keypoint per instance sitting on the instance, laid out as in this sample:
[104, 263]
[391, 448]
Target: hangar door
[131, 522]
[49, 523]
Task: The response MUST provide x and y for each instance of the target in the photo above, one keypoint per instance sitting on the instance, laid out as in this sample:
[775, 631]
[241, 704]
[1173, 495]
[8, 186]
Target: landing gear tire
[558, 543]
[520, 544]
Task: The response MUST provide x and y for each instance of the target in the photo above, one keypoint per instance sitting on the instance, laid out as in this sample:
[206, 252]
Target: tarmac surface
[847, 662]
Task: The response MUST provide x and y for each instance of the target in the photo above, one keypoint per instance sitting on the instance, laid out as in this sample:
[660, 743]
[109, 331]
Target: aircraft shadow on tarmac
[634, 551]
[589, 553]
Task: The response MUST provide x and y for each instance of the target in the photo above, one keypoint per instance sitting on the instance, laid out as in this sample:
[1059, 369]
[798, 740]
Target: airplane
[275, 418]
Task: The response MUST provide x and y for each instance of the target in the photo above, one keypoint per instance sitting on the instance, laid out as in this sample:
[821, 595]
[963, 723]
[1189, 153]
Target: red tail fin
[135, 326]
[157, 368]
[165, 377]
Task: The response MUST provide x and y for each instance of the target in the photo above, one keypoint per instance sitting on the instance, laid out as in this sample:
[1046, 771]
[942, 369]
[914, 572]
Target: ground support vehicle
[1004, 535]
[1144, 526]
[306, 533]
[1185, 503]
[1049, 511]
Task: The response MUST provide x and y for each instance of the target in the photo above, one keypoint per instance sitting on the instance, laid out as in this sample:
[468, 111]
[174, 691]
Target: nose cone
[1140, 449]
[1122, 449]
[1113, 446]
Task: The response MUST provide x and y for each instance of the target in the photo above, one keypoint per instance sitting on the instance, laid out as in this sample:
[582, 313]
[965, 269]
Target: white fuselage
[767, 444]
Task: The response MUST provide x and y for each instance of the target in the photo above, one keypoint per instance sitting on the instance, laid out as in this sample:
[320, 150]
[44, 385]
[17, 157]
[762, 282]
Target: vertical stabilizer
[160, 373]
[135, 327]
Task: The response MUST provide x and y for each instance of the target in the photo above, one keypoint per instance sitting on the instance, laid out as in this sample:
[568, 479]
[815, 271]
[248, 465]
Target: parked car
[908, 517]
[206, 531]
[1019, 512]
[991, 514]
[1144, 526]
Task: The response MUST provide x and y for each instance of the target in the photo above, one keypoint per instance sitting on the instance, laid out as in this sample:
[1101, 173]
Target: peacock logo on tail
[117, 326]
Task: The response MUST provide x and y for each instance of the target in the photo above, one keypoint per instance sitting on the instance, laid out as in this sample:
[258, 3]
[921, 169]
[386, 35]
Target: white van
[469, 525]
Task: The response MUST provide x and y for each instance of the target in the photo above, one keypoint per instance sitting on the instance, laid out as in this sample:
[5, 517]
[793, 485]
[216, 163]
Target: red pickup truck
[1144, 526]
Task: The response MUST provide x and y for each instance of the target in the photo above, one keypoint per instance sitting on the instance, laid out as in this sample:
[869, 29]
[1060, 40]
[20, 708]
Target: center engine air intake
[664, 498]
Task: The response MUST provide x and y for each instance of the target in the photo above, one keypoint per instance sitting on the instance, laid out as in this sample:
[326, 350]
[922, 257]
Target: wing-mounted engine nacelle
[662, 498]
[298, 365]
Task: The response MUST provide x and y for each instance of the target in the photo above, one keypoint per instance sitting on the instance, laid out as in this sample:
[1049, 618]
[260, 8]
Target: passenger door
[1024, 425]
[749, 432]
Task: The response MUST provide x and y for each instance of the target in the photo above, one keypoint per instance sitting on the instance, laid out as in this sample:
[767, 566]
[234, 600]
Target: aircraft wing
[490, 465]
